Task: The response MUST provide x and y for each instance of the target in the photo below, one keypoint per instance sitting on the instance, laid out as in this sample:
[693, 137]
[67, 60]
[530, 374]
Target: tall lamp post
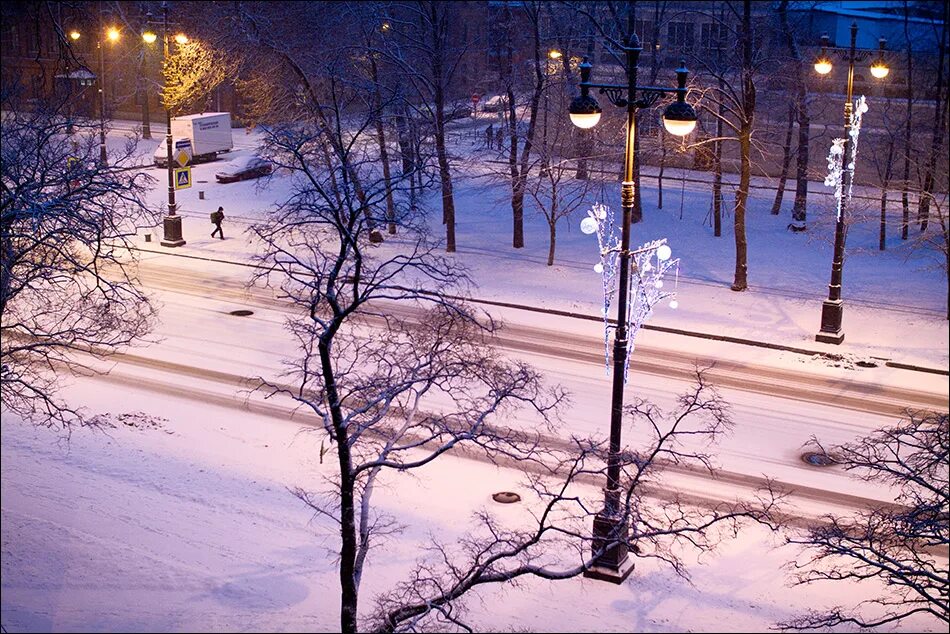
[610, 530]
[832, 309]
[148, 37]
[171, 226]
[113, 35]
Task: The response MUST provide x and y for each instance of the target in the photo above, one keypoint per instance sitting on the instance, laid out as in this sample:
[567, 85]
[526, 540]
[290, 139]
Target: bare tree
[935, 245]
[800, 70]
[555, 191]
[735, 97]
[510, 74]
[67, 279]
[421, 48]
[398, 370]
[938, 134]
[557, 544]
[902, 545]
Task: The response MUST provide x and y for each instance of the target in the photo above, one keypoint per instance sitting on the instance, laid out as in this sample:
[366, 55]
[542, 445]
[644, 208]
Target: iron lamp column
[832, 309]
[610, 530]
[171, 225]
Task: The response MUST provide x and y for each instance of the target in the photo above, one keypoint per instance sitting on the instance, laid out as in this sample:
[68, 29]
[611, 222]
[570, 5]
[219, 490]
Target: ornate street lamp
[113, 35]
[611, 529]
[171, 225]
[832, 309]
[149, 37]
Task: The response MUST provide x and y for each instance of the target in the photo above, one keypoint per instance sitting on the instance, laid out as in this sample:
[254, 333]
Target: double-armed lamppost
[171, 225]
[610, 532]
[832, 308]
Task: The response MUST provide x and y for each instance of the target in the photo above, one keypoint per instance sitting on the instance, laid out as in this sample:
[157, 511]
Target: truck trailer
[209, 133]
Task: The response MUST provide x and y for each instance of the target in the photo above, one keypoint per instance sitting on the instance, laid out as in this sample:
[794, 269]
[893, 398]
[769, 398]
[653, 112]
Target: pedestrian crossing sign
[182, 177]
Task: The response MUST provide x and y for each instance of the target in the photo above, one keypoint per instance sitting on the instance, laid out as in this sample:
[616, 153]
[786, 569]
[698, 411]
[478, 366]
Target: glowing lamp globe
[585, 112]
[679, 118]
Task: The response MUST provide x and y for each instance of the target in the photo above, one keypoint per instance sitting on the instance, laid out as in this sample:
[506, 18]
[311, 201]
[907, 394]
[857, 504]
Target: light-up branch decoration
[836, 159]
[649, 264]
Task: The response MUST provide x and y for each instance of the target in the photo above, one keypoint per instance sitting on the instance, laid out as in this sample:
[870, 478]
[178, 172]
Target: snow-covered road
[206, 353]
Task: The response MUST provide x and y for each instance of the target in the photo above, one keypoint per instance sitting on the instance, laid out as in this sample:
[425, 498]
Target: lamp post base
[614, 564]
[172, 232]
[831, 312]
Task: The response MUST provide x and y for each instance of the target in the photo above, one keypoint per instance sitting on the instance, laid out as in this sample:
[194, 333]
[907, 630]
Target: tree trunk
[717, 178]
[349, 592]
[448, 201]
[552, 239]
[741, 282]
[383, 152]
[882, 233]
[659, 177]
[786, 162]
[800, 206]
[905, 199]
[438, 34]
[517, 180]
[937, 134]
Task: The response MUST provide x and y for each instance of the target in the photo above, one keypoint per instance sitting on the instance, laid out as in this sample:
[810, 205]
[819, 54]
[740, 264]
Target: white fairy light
[838, 163]
[649, 263]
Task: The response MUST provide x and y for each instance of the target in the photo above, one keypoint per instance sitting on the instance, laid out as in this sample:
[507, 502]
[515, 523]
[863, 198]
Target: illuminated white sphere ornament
[588, 225]
[663, 253]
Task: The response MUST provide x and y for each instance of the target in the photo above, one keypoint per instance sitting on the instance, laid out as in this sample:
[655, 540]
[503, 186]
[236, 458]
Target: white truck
[209, 133]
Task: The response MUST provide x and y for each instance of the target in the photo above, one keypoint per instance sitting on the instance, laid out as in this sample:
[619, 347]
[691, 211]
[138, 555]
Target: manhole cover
[506, 497]
[817, 459]
[241, 313]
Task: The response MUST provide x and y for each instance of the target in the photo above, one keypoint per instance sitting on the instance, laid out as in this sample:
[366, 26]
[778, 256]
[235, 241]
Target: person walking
[488, 135]
[217, 217]
[500, 139]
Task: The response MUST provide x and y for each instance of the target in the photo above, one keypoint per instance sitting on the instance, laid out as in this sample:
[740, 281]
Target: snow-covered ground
[181, 519]
[184, 522]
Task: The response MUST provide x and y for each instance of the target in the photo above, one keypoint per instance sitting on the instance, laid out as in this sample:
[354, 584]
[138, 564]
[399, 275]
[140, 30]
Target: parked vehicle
[244, 168]
[495, 103]
[209, 133]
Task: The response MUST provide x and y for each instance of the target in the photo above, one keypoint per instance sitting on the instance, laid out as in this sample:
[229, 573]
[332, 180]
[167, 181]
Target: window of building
[713, 36]
[680, 35]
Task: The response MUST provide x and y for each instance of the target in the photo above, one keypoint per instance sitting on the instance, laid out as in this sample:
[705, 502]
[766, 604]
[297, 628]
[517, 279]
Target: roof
[867, 14]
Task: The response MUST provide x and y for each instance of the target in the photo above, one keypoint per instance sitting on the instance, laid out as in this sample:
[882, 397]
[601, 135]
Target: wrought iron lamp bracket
[616, 94]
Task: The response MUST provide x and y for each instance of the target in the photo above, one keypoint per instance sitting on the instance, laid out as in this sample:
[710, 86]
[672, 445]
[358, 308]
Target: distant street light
[112, 34]
[832, 309]
[149, 37]
[610, 525]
